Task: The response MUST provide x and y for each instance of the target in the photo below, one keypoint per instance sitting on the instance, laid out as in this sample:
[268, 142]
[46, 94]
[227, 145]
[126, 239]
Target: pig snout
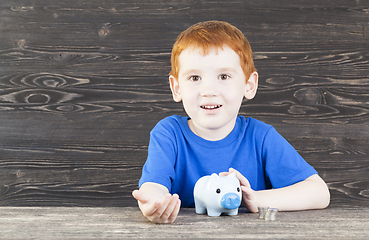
[230, 201]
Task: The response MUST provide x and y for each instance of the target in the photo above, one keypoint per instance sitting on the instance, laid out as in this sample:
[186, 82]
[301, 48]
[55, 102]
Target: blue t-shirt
[177, 157]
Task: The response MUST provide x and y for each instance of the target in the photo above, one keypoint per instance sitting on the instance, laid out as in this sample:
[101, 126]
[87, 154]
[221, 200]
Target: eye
[218, 190]
[224, 77]
[195, 78]
[238, 189]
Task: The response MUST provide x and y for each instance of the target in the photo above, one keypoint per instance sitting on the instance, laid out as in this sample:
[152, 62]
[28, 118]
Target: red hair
[213, 34]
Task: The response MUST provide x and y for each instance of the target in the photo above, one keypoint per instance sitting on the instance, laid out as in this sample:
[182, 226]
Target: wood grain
[128, 223]
[82, 83]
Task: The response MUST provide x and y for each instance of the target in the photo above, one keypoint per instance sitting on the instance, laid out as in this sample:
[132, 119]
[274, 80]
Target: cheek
[235, 95]
[188, 100]
[189, 104]
[189, 94]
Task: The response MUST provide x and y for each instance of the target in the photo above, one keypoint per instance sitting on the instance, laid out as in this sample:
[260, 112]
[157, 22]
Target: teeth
[211, 107]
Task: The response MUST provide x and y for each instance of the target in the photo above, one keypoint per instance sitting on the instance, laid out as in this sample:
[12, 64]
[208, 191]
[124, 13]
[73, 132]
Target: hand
[158, 210]
[250, 200]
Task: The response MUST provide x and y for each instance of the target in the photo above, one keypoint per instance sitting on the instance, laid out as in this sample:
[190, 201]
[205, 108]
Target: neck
[211, 134]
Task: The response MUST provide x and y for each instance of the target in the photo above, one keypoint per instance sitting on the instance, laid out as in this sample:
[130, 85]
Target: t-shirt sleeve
[159, 166]
[284, 166]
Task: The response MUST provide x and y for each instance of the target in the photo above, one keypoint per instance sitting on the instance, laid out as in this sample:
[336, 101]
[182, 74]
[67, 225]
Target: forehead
[224, 56]
[207, 49]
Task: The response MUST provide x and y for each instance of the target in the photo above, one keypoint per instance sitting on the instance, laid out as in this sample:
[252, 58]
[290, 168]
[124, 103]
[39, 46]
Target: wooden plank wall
[83, 82]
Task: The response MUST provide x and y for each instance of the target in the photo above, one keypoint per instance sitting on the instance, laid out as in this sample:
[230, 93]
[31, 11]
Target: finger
[147, 206]
[223, 174]
[140, 196]
[243, 180]
[248, 199]
[150, 209]
[170, 208]
[247, 192]
[175, 212]
[161, 208]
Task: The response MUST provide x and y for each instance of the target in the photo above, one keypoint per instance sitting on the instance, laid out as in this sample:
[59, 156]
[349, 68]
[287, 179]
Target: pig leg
[199, 207]
[233, 212]
[213, 213]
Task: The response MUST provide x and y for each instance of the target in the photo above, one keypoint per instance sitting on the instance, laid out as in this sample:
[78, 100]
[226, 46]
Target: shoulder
[254, 122]
[254, 126]
[173, 121]
[258, 132]
[170, 125]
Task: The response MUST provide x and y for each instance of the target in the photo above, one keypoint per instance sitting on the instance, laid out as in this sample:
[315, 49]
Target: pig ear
[233, 175]
[213, 176]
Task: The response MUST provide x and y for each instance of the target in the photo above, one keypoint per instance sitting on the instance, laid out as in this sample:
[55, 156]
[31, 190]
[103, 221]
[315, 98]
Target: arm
[312, 193]
[156, 203]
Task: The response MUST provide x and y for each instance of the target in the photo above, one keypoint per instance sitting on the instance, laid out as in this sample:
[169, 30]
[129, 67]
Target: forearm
[311, 193]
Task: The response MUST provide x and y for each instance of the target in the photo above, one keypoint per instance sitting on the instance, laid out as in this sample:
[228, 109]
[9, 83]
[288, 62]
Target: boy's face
[212, 88]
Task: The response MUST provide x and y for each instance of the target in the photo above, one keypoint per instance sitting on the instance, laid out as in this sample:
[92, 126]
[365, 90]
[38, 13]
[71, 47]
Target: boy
[212, 71]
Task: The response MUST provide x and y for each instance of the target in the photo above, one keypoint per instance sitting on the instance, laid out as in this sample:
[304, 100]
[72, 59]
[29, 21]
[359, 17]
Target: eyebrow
[190, 71]
[195, 71]
[228, 70]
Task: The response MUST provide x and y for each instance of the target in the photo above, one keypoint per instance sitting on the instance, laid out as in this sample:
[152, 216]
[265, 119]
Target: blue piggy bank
[217, 194]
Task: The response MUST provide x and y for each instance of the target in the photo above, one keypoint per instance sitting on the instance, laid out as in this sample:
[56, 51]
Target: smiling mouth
[211, 107]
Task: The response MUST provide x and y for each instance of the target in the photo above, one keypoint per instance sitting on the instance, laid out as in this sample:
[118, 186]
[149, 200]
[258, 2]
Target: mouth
[210, 107]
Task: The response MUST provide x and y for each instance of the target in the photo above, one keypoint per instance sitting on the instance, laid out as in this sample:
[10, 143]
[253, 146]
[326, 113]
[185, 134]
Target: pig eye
[238, 189]
[218, 190]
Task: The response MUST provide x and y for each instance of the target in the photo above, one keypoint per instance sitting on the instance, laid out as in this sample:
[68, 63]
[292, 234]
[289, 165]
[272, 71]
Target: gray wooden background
[83, 82]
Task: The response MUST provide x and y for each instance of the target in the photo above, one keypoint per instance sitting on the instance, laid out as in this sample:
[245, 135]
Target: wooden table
[127, 222]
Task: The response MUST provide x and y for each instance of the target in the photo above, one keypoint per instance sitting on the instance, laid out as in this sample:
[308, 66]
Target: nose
[209, 88]
[230, 201]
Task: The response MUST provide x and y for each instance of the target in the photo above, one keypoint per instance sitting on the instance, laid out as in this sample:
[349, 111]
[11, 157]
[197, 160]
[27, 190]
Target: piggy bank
[217, 194]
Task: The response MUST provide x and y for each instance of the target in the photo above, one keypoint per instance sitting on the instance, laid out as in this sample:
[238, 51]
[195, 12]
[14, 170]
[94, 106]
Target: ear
[252, 86]
[213, 177]
[232, 175]
[174, 86]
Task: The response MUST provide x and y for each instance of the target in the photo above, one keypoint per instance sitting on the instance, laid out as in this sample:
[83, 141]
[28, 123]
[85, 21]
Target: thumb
[241, 178]
[140, 196]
